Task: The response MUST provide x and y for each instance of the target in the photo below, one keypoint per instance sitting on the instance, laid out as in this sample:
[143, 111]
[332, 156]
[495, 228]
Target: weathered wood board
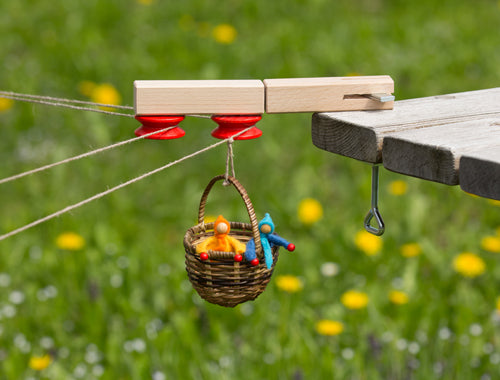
[360, 134]
[429, 138]
[433, 153]
[181, 97]
[480, 171]
[327, 93]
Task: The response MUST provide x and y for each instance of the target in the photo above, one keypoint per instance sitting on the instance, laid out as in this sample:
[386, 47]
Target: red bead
[291, 247]
[151, 124]
[238, 258]
[254, 262]
[204, 256]
[231, 125]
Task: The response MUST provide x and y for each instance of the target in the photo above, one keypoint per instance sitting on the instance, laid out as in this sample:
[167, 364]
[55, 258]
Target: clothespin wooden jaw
[252, 97]
[238, 104]
[329, 94]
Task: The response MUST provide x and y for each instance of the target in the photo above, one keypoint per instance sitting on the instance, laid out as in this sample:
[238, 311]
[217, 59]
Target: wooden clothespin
[235, 104]
[158, 103]
[329, 94]
[253, 97]
[209, 97]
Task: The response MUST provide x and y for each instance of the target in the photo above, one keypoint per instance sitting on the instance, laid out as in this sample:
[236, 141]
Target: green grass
[122, 308]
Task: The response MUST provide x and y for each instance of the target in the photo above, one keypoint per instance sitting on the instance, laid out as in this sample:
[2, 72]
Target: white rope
[229, 161]
[66, 103]
[91, 153]
[63, 100]
[109, 191]
[199, 116]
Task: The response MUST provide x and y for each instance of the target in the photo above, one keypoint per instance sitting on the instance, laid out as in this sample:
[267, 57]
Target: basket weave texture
[220, 279]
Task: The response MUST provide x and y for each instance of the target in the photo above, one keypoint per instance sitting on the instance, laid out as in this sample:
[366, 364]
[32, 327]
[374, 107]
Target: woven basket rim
[246, 199]
[220, 279]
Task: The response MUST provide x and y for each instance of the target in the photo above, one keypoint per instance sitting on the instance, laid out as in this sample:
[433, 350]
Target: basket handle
[244, 195]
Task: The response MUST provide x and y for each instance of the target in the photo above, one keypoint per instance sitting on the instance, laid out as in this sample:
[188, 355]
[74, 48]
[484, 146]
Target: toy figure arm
[278, 240]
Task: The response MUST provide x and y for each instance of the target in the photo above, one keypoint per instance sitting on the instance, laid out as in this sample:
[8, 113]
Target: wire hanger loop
[379, 228]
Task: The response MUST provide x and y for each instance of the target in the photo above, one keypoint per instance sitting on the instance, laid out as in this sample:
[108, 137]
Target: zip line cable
[70, 103]
[122, 185]
[74, 158]
[67, 105]
[63, 100]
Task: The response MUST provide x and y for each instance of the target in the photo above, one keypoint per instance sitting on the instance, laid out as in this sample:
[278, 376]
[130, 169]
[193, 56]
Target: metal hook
[374, 213]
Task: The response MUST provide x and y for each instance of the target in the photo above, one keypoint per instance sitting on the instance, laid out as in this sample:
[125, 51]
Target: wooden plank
[480, 172]
[327, 94]
[360, 135]
[434, 153]
[181, 97]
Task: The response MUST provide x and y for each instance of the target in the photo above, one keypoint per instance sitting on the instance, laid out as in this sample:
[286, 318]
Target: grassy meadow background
[113, 300]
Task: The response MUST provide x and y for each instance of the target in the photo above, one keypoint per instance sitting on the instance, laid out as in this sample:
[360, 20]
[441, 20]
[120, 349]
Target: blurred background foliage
[116, 303]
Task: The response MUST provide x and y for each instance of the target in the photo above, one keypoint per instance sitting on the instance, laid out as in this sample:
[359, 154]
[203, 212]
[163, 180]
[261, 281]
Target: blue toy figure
[268, 239]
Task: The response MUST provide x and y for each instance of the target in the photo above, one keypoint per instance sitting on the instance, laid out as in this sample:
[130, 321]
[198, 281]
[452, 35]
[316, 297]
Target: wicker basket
[220, 279]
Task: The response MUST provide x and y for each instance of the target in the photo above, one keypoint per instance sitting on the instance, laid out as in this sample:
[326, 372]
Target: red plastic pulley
[231, 125]
[151, 124]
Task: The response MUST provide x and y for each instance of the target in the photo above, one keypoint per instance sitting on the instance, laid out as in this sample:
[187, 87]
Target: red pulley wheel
[151, 124]
[231, 125]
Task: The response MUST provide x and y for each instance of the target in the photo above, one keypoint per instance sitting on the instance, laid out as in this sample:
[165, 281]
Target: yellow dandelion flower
[329, 328]
[86, 87]
[289, 283]
[353, 299]
[368, 243]
[353, 74]
[309, 211]
[469, 264]
[145, 2]
[398, 297]
[498, 305]
[70, 241]
[224, 33]
[398, 187]
[410, 250]
[106, 94]
[491, 244]
[39, 363]
[5, 104]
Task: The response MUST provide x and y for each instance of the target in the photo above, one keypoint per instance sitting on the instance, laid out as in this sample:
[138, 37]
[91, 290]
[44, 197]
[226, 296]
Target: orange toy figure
[221, 241]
